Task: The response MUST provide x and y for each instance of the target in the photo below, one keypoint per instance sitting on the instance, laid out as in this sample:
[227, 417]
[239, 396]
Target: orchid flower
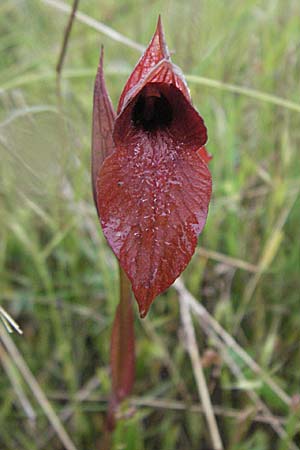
[151, 182]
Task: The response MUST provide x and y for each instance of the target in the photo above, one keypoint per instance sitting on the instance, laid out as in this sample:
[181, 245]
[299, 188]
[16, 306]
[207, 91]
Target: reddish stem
[122, 352]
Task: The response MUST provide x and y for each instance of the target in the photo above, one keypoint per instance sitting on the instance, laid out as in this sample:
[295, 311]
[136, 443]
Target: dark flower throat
[151, 113]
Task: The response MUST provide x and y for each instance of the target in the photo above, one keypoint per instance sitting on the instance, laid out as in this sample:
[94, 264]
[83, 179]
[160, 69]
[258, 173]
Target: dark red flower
[151, 182]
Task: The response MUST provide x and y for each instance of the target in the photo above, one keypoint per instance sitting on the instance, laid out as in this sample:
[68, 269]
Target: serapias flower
[151, 182]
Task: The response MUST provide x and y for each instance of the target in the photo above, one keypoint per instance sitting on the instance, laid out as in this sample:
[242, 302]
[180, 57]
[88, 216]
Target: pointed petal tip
[143, 313]
[144, 309]
[143, 306]
[159, 26]
[101, 57]
[144, 301]
[162, 41]
[100, 71]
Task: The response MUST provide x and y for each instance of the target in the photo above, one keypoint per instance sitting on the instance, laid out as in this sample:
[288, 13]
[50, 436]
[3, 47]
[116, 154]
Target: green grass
[58, 278]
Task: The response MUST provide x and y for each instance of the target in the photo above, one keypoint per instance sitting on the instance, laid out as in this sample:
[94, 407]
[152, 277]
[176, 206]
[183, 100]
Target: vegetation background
[59, 279]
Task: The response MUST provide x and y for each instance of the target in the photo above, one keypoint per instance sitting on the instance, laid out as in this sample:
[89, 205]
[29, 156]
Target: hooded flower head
[151, 182]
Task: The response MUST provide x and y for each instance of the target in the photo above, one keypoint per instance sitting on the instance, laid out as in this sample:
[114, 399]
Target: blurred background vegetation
[59, 279]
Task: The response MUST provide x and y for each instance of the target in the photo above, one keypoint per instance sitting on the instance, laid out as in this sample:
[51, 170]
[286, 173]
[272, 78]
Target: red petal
[155, 193]
[154, 65]
[103, 123]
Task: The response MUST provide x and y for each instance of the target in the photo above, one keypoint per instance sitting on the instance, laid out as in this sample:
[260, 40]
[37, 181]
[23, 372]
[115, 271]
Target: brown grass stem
[193, 351]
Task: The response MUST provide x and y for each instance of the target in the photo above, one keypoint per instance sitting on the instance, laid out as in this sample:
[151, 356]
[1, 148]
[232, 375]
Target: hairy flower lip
[149, 279]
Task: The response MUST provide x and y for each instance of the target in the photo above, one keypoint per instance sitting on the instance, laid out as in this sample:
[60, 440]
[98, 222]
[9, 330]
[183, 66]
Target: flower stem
[122, 356]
